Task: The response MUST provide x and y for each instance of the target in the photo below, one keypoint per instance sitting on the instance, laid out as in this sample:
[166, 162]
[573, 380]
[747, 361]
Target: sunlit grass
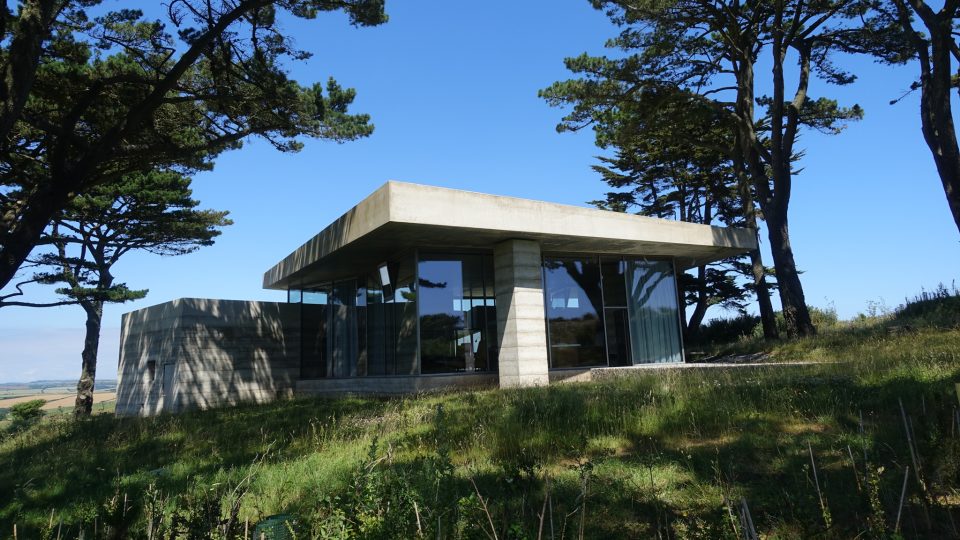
[666, 452]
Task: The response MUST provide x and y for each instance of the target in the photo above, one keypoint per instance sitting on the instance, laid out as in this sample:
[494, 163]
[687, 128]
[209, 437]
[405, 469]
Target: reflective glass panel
[391, 320]
[405, 307]
[313, 333]
[454, 314]
[342, 326]
[654, 316]
[574, 309]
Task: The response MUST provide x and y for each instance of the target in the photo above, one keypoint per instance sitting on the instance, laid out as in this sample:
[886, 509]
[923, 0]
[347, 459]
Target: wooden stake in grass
[749, 532]
[853, 464]
[903, 495]
[915, 460]
[14, 531]
[733, 520]
[486, 510]
[416, 511]
[913, 452]
[543, 510]
[824, 511]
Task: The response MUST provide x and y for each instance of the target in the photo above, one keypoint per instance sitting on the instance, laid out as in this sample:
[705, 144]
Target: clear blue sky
[452, 88]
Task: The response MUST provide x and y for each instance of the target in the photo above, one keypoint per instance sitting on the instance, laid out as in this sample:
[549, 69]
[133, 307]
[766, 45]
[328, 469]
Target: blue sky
[452, 89]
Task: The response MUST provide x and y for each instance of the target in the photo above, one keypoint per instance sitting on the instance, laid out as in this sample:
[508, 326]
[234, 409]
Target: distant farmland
[59, 395]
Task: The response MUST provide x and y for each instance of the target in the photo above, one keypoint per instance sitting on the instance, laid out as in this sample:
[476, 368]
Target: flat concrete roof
[400, 216]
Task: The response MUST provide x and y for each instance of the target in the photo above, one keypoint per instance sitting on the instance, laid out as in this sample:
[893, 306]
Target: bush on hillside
[939, 308]
[730, 330]
[26, 414]
[725, 330]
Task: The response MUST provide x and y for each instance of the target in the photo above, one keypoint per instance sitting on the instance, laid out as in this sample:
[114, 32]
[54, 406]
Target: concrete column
[521, 322]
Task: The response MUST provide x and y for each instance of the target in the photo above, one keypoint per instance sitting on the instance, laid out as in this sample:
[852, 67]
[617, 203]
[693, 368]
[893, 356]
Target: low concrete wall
[199, 353]
[395, 385]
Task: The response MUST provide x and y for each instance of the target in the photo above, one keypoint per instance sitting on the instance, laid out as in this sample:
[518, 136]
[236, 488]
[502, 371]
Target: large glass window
[654, 316]
[609, 310]
[456, 304]
[342, 326]
[615, 316]
[574, 305]
[351, 328]
[391, 322]
[313, 332]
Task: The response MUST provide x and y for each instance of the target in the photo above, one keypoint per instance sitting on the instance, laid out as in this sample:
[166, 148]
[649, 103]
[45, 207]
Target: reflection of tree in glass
[587, 276]
[642, 289]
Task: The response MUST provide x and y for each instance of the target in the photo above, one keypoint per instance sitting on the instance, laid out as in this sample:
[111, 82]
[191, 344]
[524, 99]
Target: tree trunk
[24, 232]
[768, 318]
[936, 115]
[771, 175]
[700, 308]
[794, 306]
[88, 373]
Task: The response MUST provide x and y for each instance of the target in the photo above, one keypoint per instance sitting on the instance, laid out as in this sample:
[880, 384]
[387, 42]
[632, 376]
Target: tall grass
[668, 454]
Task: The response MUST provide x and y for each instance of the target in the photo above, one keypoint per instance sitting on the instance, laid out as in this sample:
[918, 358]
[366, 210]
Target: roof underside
[400, 217]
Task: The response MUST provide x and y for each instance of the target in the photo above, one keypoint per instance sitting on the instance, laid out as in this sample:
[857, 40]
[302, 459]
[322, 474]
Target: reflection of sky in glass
[441, 285]
[314, 297]
[567, 299]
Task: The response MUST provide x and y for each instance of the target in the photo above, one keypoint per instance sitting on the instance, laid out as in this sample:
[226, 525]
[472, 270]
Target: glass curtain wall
[654, 314]
[610, 311]
[456, 305]
[615, 313]
[313, 332]
[351, 329]
[391, 323]
[574, 306]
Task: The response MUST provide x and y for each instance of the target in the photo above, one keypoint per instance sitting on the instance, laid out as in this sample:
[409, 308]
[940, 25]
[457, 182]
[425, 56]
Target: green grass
[668, 454]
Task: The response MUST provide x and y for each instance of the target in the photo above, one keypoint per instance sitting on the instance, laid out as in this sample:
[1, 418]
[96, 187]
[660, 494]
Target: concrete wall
[206, 353]
[395, 385]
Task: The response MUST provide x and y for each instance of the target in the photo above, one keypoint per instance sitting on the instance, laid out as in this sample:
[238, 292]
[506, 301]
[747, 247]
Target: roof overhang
[400, 216]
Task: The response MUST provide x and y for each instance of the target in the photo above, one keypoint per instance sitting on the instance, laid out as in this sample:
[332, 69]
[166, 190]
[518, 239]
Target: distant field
[54, 400]
[7, 394]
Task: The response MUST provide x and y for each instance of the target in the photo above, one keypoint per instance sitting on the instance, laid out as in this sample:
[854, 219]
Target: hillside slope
[798, 451]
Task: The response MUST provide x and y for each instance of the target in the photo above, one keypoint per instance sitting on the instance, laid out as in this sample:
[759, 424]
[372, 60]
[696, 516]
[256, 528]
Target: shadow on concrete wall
[201, 353]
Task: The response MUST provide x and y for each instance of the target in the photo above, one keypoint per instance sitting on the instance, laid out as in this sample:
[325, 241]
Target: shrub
[26, 414]
[725, 330]
[939, 308]
[822, 318]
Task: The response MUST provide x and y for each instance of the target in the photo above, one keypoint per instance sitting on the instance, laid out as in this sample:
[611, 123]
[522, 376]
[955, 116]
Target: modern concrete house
[418, 288]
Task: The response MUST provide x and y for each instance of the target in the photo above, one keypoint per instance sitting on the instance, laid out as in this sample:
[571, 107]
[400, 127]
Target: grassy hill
[789, 451]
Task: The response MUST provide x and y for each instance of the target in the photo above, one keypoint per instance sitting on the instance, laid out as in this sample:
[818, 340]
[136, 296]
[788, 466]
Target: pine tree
[151, 212]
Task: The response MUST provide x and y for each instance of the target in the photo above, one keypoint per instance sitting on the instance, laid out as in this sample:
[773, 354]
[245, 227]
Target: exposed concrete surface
[521, 326]
[394, 385]
[206, 353]
[401, 216]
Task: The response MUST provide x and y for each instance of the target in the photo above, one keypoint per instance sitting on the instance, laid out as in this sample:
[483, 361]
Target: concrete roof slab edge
[417, 205]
